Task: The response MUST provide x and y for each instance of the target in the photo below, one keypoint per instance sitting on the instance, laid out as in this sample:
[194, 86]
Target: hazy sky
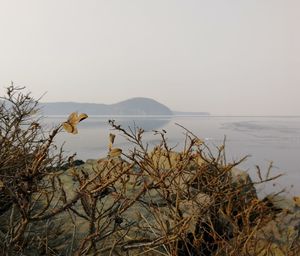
[221, 56]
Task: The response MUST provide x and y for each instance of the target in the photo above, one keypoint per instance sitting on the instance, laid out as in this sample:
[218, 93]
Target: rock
[194, 209]
[279, 203]
[91, 161]
[272, 250]
[242, 179]
[163, 159]
[73, 164]
[283, 230]
[239, 175]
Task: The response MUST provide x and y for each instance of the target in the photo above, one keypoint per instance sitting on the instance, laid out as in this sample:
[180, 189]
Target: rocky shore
[278, 236]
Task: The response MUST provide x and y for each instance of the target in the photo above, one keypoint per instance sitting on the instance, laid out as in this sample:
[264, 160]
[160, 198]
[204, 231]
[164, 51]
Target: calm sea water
[266, 139]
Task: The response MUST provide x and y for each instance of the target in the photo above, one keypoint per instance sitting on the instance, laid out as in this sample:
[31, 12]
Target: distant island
[133, 106]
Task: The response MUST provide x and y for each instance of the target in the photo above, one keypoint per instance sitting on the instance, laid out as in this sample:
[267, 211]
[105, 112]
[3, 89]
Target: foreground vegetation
[145, 202]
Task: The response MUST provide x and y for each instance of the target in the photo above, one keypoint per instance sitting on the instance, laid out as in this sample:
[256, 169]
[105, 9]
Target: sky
[227, 57]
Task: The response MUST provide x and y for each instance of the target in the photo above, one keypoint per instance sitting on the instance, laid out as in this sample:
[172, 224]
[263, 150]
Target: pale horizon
[224, 57]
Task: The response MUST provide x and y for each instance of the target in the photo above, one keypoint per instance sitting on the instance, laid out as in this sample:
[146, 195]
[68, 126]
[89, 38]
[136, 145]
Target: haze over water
[225, 57]
[266, 139]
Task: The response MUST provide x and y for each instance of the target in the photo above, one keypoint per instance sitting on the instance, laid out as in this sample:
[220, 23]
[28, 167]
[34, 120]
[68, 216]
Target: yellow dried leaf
[73, 119]
[112, 138]
[198, 142]
[82, 117]
[114, 152]
[297, 200]
[70, 128]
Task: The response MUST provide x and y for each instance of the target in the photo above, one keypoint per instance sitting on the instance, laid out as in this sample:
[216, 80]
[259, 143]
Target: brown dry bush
[145, 202]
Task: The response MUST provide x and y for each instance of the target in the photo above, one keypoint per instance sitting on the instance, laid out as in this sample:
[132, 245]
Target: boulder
[283, 232]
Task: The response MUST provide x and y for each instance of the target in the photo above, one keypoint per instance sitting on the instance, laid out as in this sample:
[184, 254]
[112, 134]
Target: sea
[264, 139]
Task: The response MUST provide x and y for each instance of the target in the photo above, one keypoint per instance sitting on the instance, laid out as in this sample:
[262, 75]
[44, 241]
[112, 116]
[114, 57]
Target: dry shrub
[145, 202]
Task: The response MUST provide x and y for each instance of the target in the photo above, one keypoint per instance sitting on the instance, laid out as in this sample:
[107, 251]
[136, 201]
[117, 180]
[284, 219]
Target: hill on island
[133, 106]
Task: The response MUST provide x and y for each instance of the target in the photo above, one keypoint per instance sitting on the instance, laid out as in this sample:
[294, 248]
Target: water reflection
[92, 138]
[265, 139]
[99, 122]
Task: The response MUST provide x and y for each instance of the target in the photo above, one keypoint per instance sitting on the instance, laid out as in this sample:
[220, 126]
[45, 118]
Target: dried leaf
[297, 200]
[114, 152]
[82, 117]
[112, 138]
[73, 118]
[70, 128]
[198, 142]
[71, 125]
